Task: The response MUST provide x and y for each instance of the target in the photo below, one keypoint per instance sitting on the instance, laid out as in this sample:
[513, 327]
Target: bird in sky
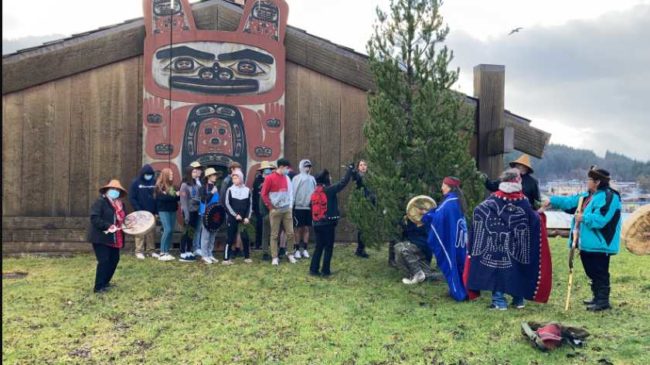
[515, 30]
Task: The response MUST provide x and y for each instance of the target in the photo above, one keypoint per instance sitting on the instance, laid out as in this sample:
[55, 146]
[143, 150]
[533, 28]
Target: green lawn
[177, 313]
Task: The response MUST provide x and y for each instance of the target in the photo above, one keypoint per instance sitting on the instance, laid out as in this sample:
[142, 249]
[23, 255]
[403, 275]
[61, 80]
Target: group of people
[505, 250]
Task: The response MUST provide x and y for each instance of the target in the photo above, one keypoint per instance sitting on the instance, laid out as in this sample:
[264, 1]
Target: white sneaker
[291, 259]
[206, 260]
[296, 255]
[227, 262]
[305, 254]
[139, 256]
[417, 278]
[155, 255]
[183, 255]
[248, 261]
[275, 262]
[198, 253]
[214, 261]
[166, 257]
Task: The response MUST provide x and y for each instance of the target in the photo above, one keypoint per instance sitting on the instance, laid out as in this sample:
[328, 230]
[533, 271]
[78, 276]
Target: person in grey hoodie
[304, 185]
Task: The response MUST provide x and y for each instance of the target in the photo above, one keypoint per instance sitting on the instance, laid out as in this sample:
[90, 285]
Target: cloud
[588, 77]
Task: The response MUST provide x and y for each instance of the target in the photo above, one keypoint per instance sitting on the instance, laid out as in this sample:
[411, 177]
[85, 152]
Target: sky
[577, 69]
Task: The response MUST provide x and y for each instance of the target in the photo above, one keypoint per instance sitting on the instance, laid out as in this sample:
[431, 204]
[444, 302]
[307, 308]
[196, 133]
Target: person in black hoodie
[141, 198]
[325, 215]
[105, 232]
[362, 169]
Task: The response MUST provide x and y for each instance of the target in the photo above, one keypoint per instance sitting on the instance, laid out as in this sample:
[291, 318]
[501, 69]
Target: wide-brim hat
[210, 171]
[195, 165]
[523, 160]
[113, 184]
[266, 165]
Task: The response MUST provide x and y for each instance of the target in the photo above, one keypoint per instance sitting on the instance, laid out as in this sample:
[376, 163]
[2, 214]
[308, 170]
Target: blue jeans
[499, 300]
[168, 220]
[196, 243]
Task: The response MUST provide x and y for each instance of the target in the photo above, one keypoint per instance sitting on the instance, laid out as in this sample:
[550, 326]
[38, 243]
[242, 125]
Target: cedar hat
[523, 160]
[266, 165]
[113, 184]
[210, 171]
[195, 165]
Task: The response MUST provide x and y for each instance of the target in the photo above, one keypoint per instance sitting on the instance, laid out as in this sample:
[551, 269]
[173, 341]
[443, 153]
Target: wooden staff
[574, 246]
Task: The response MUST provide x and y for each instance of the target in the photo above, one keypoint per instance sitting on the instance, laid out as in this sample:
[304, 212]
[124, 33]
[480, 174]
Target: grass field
[180, 313]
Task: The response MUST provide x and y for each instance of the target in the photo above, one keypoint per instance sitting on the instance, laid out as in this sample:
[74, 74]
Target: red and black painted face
[215, 68]
[215, 136]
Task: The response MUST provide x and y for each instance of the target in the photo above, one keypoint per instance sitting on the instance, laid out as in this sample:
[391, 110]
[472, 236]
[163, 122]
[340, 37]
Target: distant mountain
[13, 45]
[563, 162]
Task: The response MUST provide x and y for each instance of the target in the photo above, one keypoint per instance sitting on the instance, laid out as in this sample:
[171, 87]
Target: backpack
[318, 204]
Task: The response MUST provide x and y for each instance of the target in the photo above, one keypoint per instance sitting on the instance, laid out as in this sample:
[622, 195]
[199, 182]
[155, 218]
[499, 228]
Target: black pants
[232, 226]
[107, 259]
[259, 227]
[188, 234]
[361, 247]
[596, 266]
[324, 242]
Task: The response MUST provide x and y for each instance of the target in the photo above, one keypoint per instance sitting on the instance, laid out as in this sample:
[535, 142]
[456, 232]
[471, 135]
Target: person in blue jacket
[141, 198]
[600, 232]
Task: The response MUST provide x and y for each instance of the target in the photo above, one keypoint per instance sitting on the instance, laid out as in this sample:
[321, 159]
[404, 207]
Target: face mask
[266, 172]
[148, 177]
[285, 172]
[113, 194]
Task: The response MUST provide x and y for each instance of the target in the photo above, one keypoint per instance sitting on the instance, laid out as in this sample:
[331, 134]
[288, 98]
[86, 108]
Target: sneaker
[496, 307]
[296, 255]
[419, 277]
[213, 259]
[197, 253]
[248, 261]
[155, 255]
[314, 273]
[188, 258]
[275, 262]
[407, 281]
[182, 255]
[227, 262]
[166, 257]
[305, 254]
[291, 259]
[139, 256]
[206, 260]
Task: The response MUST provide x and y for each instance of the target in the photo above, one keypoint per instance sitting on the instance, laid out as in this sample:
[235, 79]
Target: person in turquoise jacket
[600, 231]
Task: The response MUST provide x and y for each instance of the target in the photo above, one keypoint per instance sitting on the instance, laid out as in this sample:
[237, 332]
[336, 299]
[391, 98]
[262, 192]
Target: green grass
[177, 313]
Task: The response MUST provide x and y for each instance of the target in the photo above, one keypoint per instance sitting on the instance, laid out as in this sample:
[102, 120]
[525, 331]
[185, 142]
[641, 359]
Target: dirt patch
[14, 275]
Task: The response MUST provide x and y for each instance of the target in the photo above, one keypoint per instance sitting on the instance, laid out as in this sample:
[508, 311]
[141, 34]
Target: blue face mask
[148, 177]
[286, 172]
[113, 194]
[266, 172]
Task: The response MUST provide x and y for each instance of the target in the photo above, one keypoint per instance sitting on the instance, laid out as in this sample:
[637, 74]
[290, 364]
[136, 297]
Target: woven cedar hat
[113, 184]
[196, 165]
[523, 160]
[266, 165]
[210, 171]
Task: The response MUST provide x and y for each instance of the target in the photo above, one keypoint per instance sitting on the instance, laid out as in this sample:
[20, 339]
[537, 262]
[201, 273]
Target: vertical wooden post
[489, 88]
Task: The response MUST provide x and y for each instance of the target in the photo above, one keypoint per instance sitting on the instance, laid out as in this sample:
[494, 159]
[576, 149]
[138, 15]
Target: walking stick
[574, 246]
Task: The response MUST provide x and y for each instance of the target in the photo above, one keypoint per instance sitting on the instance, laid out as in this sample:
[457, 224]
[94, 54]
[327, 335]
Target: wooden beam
[103, 47]
[500, 141]
[489, 88]
[529, 139]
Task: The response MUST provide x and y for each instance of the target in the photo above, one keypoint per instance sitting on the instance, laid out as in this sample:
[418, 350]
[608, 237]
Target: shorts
[302, 218]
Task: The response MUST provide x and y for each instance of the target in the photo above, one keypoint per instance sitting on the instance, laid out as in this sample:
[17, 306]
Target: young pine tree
[419, 130]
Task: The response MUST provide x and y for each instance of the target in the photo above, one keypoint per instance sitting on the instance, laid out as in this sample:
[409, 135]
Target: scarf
[120, 215]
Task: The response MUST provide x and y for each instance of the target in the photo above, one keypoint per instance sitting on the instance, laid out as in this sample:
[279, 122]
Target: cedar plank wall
[61, 140]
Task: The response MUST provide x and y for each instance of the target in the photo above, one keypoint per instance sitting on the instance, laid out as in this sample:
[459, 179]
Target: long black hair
[187, 178]
[461, 197]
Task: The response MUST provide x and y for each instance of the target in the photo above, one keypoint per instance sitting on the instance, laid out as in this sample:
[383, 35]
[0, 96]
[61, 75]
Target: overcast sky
[578, 68]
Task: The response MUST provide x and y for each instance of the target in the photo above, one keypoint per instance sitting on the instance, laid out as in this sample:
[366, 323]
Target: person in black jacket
[529, 184]
[105, 232]
[141, 198]
[325, 215]
[362, 168]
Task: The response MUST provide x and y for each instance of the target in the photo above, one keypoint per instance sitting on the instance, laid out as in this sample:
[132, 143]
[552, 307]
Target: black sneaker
[187, 258]
[314, 273]
[496, 307]
[362, 254]
[597, 307]
[589, 302]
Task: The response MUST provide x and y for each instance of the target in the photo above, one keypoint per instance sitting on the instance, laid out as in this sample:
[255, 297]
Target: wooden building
[72, 112]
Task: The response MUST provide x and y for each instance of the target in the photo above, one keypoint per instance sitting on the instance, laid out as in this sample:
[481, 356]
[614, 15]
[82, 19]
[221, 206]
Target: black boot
[601, 301]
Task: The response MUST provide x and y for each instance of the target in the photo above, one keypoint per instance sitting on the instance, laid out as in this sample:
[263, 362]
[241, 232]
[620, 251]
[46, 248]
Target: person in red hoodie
[277, 197]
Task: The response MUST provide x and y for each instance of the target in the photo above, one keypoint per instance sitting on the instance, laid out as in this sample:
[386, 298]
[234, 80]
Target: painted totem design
[213, 96]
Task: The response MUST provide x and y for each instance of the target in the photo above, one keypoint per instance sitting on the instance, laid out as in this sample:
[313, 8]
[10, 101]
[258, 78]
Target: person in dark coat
[530, 185]
[362, 169]
[325, 216]
[105, 232]
[141, 198]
